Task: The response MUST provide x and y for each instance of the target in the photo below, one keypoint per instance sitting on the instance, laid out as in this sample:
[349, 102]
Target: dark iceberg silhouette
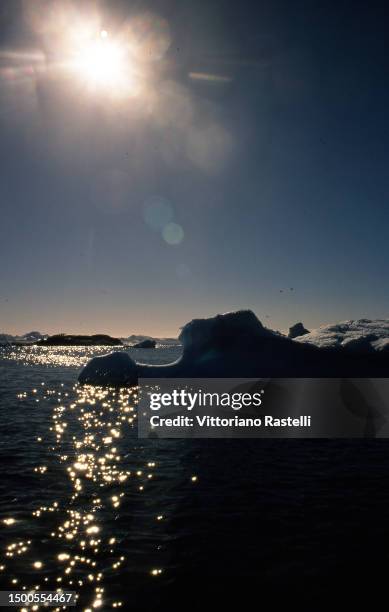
[114, 370]
[149, 343]
[237, 345]
[297, 330]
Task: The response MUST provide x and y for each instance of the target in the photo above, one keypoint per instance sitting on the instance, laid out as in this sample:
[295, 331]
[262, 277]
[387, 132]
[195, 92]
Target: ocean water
[175, 524]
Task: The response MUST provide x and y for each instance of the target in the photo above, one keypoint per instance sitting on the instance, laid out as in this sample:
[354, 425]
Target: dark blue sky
[270, 170]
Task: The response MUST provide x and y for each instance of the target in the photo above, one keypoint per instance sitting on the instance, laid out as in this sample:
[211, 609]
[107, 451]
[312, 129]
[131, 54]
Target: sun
[102, 63]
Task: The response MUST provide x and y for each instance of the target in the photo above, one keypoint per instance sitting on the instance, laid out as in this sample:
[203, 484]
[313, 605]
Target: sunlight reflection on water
[71, 535]
[84, 435]
[77, 356]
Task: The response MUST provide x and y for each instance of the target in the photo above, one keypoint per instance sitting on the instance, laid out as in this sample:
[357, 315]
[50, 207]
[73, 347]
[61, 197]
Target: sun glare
[102, 63]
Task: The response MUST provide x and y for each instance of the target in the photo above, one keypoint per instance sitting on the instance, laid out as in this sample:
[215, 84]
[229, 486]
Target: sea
[146, 525]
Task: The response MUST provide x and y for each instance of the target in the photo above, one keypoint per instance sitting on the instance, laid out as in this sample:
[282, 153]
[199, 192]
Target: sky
[236, 158]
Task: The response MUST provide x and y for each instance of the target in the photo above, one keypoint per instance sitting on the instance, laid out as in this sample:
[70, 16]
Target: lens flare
[102, 63]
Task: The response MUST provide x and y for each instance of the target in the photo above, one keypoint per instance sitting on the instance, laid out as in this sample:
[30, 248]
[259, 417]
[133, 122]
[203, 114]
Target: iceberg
[114, 370]
[237, 345]
[146, 344]
[297, 330]
[363, 335]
